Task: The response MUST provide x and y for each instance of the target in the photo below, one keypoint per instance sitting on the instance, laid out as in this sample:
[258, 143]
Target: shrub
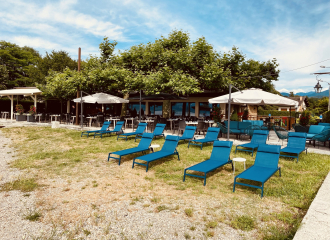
[32, 110]
[234, 116]
[304, 118]
[326, 117]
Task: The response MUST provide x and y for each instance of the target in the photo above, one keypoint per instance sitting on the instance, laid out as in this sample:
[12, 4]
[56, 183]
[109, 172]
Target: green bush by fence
[275, 113]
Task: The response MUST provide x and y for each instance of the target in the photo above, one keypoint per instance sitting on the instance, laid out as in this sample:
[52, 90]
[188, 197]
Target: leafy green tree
[107, 50]
[3, 76]
[21, 64]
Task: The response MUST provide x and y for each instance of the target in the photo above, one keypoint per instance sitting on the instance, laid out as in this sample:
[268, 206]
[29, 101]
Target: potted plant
[30, 116]
[216, 114]
[19, 113]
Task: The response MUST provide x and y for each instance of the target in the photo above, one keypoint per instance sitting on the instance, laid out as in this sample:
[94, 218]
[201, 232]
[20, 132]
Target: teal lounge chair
[188, 133]
[296, 145]
[259, 138]
[143, 146]
[211, 136]
[118, 129]
[158, 131]
[220, 156]
[139, 131]
[103, 128]
[168, 149]
[265, 166]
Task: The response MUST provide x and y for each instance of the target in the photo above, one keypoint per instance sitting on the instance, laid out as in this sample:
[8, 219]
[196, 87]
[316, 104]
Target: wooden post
[78, 90]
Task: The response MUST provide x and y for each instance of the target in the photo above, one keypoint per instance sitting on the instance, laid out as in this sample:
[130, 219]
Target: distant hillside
[309, 94]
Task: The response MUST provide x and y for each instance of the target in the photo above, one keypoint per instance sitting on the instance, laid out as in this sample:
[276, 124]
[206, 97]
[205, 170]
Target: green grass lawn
[50, 153]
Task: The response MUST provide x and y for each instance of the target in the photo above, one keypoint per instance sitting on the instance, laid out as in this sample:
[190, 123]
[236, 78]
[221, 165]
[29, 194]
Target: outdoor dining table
[171, 120]
[129, 119]
[55, 116]
[4, 115]
[210, 122]
[147, 121]
[90, 120]
[114, 120]
[191, 123]
[37, 116]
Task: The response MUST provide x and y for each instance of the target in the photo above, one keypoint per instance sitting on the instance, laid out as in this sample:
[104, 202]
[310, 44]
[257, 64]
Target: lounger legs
[204, 179]
[184, 175]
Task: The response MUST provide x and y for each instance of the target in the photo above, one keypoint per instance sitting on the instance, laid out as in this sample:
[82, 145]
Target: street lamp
[318, 86]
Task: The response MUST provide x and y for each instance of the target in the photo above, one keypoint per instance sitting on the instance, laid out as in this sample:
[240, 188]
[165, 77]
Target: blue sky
[296, 33]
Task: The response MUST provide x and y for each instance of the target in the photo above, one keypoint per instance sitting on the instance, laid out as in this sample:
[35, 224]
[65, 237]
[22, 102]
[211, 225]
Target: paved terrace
[316, 223]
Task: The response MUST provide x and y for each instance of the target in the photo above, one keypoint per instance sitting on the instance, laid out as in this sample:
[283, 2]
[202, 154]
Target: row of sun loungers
[266, 161]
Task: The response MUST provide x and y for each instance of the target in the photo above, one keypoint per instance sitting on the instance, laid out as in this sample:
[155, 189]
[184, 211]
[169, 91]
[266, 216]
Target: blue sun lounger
[139, 131]
[296, 145]
[103, 128]
[158, 131]
[188, 133]
[220, 156]
[259, 138]
[144, 145]
[211, 136]
[116, 130]
[168, 149]
[265, 166]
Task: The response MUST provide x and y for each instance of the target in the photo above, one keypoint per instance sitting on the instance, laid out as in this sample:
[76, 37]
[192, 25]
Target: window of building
[134, 109]
[185, 109]
[156, 108]
[204, 109]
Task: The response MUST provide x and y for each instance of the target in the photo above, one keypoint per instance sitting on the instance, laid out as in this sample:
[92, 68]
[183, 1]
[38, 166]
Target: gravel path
[14, 205]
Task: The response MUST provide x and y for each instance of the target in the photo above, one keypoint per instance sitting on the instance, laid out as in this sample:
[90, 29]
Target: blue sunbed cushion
[249, 145]
[292, 150]
[227, 144]
[130, 151]
[154, 156]
[324, 124]
[269, 148]
[256, 173]
[203, 140]
[207, 165]
[310, 136]
[172, 138]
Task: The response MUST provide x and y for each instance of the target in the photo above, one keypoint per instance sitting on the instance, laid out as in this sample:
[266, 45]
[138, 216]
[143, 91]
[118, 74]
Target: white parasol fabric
[101, 98]
[254, 96]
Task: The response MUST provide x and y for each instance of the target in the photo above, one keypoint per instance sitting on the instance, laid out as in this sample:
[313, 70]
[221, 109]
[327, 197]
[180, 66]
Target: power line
[306, 66]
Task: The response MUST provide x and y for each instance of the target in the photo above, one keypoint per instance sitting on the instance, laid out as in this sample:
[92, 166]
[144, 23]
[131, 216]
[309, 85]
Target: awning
[101, 98]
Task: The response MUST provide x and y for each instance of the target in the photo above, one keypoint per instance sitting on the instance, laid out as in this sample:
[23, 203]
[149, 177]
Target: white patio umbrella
[101, 98]
[252, 96]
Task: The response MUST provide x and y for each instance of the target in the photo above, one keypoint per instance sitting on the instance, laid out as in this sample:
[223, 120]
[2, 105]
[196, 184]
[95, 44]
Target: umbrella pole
[81, 110]
[140, 107]
[229, 101]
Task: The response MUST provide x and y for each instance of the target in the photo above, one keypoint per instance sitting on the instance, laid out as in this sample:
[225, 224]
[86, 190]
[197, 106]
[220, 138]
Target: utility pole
[78, 91]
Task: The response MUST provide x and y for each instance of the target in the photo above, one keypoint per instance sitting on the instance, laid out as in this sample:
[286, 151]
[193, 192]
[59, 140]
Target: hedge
[326, 117]
[275, 113]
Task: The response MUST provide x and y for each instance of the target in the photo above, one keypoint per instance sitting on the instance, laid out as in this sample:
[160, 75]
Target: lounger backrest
[159, 129]
[268, 156]
[315, 129]
[141, 128]
[171, 142]
[212, 133]
[324, 124]
[105, 126]
[297, 139]
[118, 126]
[259, 136]
[146, 140]
[221, 150]
[189, 132]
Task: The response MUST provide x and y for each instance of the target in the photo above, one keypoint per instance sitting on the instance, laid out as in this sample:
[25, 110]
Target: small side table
[238, 160]
[152, 147]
